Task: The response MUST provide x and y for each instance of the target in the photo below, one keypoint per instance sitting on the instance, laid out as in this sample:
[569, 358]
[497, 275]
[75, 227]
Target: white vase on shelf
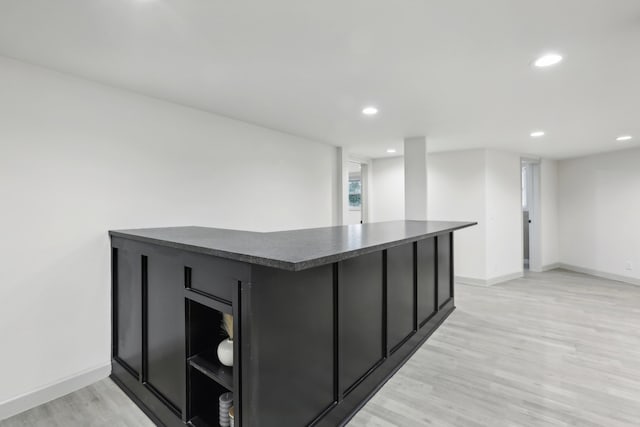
[225, 352]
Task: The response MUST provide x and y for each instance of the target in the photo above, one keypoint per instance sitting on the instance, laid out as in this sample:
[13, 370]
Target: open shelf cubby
[207, 377]
[203, 401]
[209, 366]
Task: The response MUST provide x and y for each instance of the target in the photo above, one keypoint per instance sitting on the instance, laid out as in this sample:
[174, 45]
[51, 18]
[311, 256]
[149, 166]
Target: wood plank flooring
[100, 405]
[551, 349]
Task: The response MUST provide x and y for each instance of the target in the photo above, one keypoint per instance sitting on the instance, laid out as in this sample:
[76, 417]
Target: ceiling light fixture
[537, 134]
[369, 111]
[548, 60]
[624, 138]
[391, 150]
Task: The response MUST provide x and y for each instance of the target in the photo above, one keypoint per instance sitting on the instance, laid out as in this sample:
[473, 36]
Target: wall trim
[547, 267]
[469, 281]
[489, 282]
[52, 391]
[558, 265]
[597, 273]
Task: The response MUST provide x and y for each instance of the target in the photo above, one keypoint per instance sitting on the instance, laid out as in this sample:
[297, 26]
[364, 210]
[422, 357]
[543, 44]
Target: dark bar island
[321, 317]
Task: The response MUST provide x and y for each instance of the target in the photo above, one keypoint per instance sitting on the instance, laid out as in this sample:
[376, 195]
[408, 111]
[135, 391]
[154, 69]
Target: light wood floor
[551, 349]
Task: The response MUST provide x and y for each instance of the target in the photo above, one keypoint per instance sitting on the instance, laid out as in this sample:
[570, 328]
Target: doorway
[530, 214]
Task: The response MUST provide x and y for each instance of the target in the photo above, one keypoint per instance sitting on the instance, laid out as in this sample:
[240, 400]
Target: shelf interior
[207, 377]
[204, 403]
[209, 365]
[199, 422]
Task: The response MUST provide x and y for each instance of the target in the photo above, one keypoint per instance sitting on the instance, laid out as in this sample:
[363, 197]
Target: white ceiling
[457, 71]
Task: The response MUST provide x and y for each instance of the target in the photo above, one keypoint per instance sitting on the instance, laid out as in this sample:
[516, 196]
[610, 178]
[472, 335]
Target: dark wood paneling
[444, 268]
[165, 367]
[128, 313]
[159, 413]
[288, 370]
[347, 408]
[360, 281]
[426, 260]
[238, 330]
[215, 276]
[400, 294]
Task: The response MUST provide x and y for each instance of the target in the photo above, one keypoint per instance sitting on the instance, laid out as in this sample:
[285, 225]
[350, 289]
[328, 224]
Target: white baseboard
[547, 267]
[602, 274]
[489, 282]
[52, 391]
[470, 281]
[550, 267]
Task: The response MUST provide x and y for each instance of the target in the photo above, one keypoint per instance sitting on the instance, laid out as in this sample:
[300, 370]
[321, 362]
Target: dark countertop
[296, 249]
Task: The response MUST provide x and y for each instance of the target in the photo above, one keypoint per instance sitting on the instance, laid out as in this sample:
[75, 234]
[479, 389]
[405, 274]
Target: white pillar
[342, 205]
[415, 178]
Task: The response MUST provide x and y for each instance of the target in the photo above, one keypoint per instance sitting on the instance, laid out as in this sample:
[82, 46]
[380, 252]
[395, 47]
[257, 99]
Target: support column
[342, 205]
[415, 178]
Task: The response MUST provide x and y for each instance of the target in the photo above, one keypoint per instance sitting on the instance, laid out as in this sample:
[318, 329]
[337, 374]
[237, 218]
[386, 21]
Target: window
[355, 194]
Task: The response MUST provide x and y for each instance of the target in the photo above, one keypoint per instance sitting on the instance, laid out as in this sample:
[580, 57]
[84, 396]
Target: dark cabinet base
[146, 400]
[343, 411]
[337, 414]
[311, 347]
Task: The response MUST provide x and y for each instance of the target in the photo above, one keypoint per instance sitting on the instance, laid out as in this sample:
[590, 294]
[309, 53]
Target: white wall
[470, 185]
[549, 231]
[599, 206]
[353, 217]
[415, 178]
[457, 192]
[504, 215]
[588, 210]
[78, 159]
[387, 189]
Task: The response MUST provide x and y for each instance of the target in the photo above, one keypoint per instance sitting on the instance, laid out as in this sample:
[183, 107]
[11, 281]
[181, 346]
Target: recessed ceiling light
[624, 138]
[391, 150]
[369, 111]
[537, 134]
[548, 60]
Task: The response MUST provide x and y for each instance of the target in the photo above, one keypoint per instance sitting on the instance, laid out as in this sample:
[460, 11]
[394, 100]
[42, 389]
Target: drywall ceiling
[457, 71]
